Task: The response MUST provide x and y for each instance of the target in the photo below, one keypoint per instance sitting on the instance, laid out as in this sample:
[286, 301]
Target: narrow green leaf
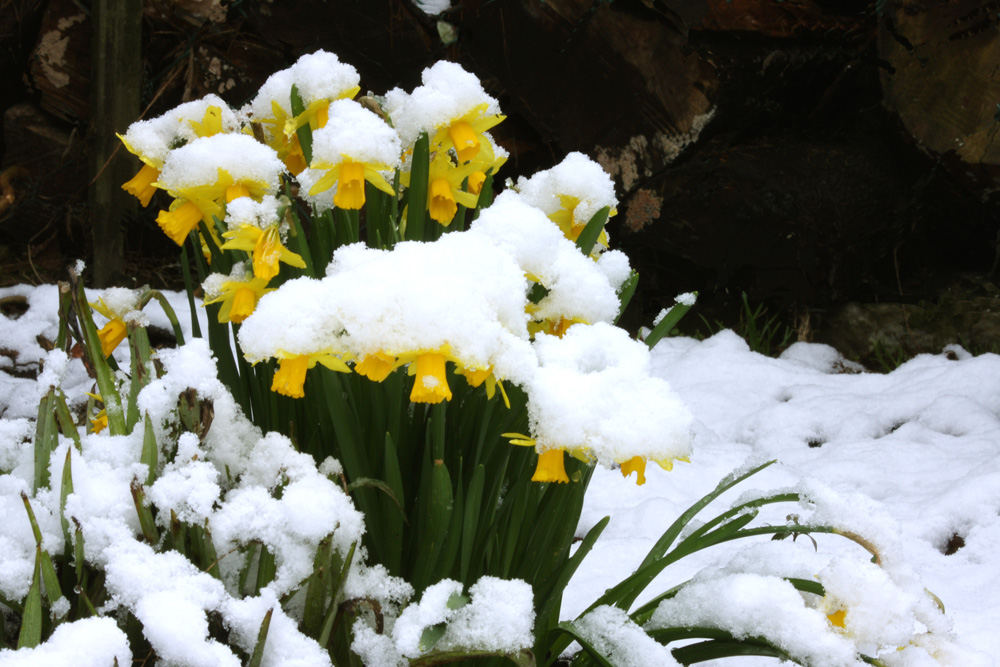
[53, 591]
[31, 519]
[667, 323]
[189, 288]
[592, 231]
[65, 489]
[317, 588]
[266, 569]
[304, 133]
[473, 503]
[46, 440]
[592, 651]
[65, 417]
[626, 292]
[324, 635]
[146, 522]
[416, 194]
[150, 452]
[168, 310]
[31, 618]
[258, 649]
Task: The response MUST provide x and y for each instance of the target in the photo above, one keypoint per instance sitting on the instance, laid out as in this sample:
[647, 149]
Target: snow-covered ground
[915, 453]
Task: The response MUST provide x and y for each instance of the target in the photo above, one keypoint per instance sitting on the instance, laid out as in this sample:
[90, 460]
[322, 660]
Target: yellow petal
[291, 376]
[476, 180]
[478, 376]
[376, 367]
[350, 186]
[551, 467]
[244, 302]
[442, 201]
[635, 464]
[141, 185]
[110, 335]
[235, 191]
[837, 618]
[267, 253]
[431, 384]
[178, 224]
[464, 138]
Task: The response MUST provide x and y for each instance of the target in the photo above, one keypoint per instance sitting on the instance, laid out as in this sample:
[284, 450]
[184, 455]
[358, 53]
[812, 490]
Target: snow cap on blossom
[316, 76]
[448, 93]
[153, 139]
[238, 155]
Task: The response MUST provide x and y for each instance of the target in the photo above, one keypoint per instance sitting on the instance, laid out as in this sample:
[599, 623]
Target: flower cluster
[490, 303]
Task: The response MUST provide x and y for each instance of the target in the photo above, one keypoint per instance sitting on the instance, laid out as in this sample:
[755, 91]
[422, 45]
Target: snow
[906, 460]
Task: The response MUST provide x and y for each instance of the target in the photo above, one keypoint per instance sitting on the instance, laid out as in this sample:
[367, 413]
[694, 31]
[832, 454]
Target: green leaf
[150, 451]
[65, 489]
[146, 521]
[588, 237]
[65, 417]
[304, 133]
[168, 310]
[430, 636]
[31, 618]
[625, 293]
[589, 648]
[258, 649]
[328, 622]
[46, 440]
[667, 323]
[416, 194]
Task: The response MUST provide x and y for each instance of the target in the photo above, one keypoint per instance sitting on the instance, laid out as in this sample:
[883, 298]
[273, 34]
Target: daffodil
[838, 618]
[99, 422]
[205, 175]
[444, 189]
[239, 298]
[431, 383]
[465, 133]
[265, 247]
[355, 146]
[636, 464]
[143, 184]
[115, 305]
[290, 377]
[567, 221]
[551, 467]
[551, 464]
[377, 366]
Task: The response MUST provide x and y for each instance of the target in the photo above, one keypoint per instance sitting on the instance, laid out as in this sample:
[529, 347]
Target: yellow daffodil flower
[431, 384]
[290, 377]
[239, 298]
[837, 618]
[265, 247]
[111, 335]
[551, 467]
[203, 202]
[636, 464]
[476, 181]
[350, 176]
[465, 134]
[444, 189]
[570, 226]
[142, 185]
[376, 367]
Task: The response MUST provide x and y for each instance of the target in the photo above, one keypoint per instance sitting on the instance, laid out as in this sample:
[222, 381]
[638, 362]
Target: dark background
[834, 160]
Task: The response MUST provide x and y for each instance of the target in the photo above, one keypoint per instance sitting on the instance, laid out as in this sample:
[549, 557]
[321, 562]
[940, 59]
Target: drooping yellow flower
[635, 464]
[99, 422]
[431, 384]
[141, 185]
[111, 335]
[444, 191]
[376, 367]
[239, 298]
[350, 176]
[180, 220]
[350, 186]
[290, 377]
[477, 376]
[551, 467]
[266, 249]
[476, 181]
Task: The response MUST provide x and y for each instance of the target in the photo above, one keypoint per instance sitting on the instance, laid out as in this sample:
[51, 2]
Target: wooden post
[116, 71]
